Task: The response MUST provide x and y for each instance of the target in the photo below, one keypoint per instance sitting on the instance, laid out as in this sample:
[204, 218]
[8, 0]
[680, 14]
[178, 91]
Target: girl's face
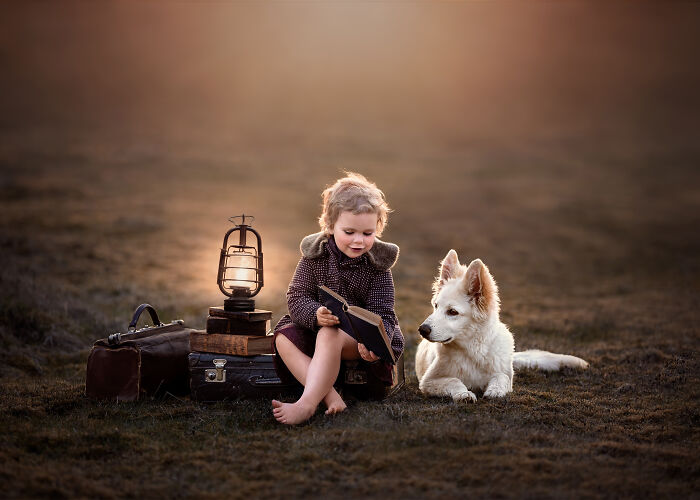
[354, 233]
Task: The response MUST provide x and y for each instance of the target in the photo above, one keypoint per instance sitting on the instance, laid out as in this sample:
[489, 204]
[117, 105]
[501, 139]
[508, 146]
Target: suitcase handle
[137, 314]
[260, 381]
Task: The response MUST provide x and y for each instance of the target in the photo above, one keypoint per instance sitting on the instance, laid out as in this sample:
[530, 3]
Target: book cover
[338, 306]
[236, 345]
[236, 327]
[364, 326]
[256, 315]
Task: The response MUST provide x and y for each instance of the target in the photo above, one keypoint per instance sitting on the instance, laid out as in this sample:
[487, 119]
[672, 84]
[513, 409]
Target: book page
[371, 332]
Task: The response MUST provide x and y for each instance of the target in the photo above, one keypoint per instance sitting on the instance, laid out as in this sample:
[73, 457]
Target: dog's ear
[480, 285]
[449, 268]
[474, 282]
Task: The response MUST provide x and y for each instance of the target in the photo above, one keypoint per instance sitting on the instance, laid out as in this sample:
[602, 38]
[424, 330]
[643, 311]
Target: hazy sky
[225, 71]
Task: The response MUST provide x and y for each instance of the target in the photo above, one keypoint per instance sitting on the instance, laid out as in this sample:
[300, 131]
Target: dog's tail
[548, 361]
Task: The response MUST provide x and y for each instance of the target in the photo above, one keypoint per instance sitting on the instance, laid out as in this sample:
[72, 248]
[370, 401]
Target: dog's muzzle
[425, 330]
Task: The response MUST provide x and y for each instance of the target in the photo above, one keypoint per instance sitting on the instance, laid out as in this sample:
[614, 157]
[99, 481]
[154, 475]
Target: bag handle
[137, 314]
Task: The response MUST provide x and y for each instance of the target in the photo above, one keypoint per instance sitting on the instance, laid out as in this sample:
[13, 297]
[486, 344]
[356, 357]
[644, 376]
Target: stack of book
[236, 333]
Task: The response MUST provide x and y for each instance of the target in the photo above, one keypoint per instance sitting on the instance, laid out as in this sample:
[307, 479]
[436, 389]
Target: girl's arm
[380, 300]
[302, 295]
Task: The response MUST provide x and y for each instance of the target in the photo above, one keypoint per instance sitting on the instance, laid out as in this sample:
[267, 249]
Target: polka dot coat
[364, 281]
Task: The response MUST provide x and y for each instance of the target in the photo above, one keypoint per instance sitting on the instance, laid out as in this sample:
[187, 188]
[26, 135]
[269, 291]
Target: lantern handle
[243, 218]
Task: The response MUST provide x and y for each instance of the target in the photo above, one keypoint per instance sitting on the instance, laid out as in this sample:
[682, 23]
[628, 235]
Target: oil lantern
[240, 275]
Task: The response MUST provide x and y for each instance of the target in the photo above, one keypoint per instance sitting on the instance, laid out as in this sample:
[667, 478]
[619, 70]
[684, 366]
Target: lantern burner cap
[239, 304]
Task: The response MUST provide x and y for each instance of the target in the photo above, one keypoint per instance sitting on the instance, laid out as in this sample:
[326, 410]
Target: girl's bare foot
[334, 402]
[292, 413]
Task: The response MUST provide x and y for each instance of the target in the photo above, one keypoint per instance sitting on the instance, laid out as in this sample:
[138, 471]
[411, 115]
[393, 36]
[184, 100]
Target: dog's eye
[452, 312]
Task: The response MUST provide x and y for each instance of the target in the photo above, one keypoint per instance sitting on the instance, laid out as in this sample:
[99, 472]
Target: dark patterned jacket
[364, 281]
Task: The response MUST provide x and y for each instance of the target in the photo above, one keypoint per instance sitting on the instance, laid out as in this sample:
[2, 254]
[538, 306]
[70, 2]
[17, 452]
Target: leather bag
[141, 363]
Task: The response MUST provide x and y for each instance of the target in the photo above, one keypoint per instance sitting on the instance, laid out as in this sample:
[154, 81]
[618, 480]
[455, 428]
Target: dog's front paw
[495, 392]
[464, 395]
[500, 385]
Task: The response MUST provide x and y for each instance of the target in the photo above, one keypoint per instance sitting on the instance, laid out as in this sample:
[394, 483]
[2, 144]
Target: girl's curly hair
[356, 194]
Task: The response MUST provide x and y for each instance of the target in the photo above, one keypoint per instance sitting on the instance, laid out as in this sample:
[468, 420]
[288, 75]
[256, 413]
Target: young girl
[347, 257]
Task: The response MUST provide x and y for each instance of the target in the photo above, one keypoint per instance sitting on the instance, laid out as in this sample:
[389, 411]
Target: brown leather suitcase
[147, 362]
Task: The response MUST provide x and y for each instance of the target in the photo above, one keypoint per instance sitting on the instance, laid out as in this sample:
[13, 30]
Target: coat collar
[382, 255]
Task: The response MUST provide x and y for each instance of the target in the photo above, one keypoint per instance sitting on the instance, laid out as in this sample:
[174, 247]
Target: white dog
[465, 345]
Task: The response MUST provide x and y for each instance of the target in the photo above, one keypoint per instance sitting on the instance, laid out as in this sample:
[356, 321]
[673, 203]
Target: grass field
[582, 197]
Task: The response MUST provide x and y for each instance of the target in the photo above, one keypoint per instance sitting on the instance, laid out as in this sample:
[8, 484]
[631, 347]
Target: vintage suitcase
[223, 377]
[357, 379]
[146, 362]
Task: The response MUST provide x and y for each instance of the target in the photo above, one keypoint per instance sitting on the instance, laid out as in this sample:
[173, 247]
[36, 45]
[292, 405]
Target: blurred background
[556, 141]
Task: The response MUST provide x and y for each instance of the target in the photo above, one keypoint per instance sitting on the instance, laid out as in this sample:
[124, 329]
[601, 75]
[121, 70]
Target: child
[346, 257]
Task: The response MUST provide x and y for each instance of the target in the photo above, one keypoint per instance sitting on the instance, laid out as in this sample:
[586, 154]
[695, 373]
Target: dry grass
[569, 282]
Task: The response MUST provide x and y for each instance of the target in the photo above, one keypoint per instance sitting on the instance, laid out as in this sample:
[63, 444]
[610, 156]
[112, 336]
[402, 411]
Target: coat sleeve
[380, 300]
[302, 295]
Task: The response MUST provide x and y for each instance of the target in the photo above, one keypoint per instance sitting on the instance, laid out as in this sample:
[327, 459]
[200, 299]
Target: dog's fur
[466, 347]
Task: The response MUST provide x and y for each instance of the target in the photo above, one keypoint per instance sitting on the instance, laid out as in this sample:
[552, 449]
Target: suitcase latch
[218, 374]
[355, 377]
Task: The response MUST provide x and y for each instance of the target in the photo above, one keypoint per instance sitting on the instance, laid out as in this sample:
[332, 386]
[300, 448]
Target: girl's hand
[324, 317]
[366, 354]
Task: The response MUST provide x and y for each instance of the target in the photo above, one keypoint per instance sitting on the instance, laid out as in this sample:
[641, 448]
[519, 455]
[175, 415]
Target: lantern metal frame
[240, 298]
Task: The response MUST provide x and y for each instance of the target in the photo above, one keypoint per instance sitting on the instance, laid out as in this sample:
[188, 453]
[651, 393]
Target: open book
[362, 325]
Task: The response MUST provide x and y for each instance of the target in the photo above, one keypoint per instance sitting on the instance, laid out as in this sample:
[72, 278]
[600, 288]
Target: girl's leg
[298, 363]
[331, 345]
